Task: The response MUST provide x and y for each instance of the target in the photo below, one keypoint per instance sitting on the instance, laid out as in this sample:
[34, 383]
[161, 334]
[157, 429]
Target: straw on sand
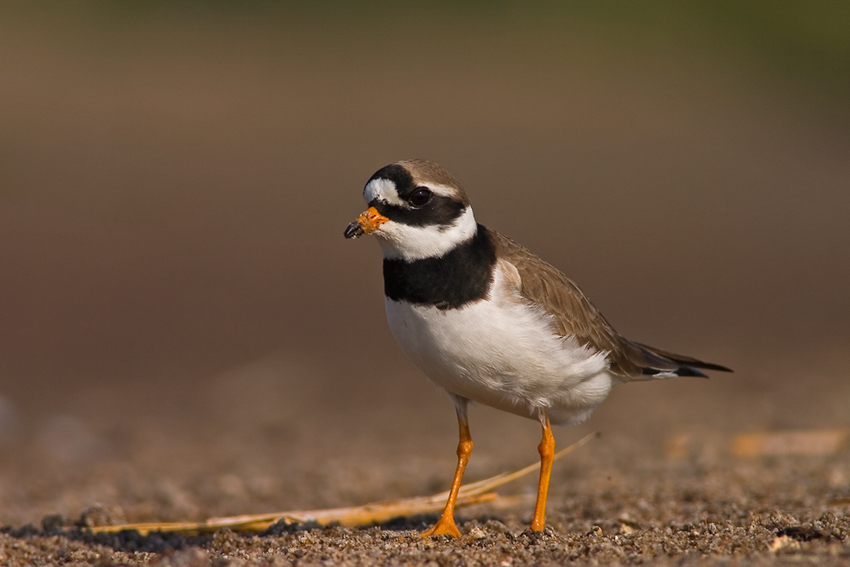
[376, 512]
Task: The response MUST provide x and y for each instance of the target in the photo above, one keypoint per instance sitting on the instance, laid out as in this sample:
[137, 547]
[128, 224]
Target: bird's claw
[445, 525]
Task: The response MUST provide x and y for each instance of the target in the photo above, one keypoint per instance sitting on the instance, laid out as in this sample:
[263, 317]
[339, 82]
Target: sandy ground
[621, 500]
[186, 334]
[667, 482]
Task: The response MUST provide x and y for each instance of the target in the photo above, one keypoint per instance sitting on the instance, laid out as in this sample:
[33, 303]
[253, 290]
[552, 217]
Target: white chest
[502, 353]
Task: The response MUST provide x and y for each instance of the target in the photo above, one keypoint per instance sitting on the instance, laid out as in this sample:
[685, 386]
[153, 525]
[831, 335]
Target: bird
[490, 322]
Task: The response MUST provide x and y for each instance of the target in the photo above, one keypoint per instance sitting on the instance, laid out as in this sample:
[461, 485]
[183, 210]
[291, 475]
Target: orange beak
[366, 223]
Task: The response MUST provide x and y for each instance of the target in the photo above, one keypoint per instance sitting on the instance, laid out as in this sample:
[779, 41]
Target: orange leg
[547, 453]
[446, 523]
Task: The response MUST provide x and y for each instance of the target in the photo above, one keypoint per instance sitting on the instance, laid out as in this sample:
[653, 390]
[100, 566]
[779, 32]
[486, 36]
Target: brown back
[575, 315]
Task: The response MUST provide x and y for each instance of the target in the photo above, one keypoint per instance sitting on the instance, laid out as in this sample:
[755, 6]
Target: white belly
[503, 354]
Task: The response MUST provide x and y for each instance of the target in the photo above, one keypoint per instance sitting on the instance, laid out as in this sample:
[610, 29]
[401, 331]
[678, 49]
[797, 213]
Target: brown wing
[575, 315]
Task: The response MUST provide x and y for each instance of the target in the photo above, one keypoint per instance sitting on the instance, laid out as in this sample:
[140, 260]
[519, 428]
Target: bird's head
[416, 209]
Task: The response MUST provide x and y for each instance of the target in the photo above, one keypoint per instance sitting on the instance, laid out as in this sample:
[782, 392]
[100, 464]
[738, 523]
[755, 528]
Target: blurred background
[178, 305]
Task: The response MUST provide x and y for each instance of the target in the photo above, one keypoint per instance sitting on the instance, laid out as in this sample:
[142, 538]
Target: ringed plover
[489, 321]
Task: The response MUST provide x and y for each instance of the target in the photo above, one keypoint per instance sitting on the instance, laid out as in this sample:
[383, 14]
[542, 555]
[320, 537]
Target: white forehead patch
[383, 190]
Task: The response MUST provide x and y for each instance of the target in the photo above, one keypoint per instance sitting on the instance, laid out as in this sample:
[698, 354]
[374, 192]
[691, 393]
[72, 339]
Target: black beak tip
[354, 230]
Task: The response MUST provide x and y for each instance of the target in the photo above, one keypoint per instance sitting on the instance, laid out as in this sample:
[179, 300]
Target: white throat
[408, 242]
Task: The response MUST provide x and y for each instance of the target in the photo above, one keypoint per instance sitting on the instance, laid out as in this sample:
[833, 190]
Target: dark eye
[419, 197]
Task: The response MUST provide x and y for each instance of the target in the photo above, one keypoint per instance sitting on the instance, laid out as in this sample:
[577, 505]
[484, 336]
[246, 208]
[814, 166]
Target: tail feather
[680, 371]
[662, 364]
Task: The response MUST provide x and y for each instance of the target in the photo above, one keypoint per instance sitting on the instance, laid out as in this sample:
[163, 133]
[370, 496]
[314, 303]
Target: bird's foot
[445, 525]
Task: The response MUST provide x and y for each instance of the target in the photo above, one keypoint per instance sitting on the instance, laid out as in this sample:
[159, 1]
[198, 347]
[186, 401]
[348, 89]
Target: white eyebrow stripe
[382, 190]
[441, 190]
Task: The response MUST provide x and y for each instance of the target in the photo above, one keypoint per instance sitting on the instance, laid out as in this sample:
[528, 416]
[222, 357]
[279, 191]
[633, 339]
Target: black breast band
[460, 276]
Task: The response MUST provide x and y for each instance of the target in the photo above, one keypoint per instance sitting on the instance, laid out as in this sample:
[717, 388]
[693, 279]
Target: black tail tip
[716, 367]
[690, 371]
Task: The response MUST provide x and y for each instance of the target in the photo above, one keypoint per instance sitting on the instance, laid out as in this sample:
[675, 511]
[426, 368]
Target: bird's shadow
[131, 541]
[127, 540]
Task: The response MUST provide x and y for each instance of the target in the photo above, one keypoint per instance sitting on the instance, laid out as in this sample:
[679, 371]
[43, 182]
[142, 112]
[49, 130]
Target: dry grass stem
[376, 512]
